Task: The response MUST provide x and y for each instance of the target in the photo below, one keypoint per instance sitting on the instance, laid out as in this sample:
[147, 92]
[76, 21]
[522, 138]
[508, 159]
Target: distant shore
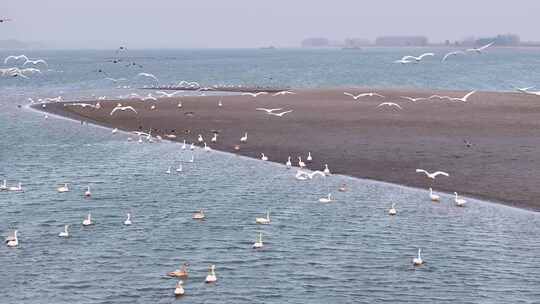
[489, 144]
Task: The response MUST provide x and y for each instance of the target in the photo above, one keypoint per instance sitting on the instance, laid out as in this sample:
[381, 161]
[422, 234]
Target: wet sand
[358, 139]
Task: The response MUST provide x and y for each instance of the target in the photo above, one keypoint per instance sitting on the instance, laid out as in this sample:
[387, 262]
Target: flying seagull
[8, 58]
[419, 58]
[452, 54]
[370, 94]
[523, 90]
[280, 114]
[390, 104]
[480, 49]
[254, 94]
[268, 110]
[167, 94]
[148, 75]
[35, 62]
[413, 99]
[119, 107]
[464, 98]
[284, 93]
[432, 175]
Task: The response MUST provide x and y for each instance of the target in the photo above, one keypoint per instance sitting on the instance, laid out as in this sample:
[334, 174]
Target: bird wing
[468, 95]
[408, 98]
[486, 46]
[426, 55]
[422, 171]
[389, 104]
[314, 173]
[406, 58]
[440, 173]
[349, 94]
[377, 94]
[131, 108]
[249, 94]
[114, 110]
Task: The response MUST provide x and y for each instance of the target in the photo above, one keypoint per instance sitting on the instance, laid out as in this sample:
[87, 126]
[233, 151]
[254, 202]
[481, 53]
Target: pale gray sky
[254, 23]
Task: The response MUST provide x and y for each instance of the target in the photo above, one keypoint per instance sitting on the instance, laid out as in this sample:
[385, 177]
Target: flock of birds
[416, 59]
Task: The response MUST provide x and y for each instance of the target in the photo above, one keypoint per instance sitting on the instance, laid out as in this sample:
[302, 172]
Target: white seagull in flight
[284, 93]
[16, 58]
[419, 58]
[35, 62]
[148, 75]
[280, 114]
[254, 94]
[432, 175]
[119, 107]
[165, 94]
[452, 54]
[480, 49]
[524, 90]
[464, 98]
[268, 110]
[390, 104]
[413, 99]
[370, 94]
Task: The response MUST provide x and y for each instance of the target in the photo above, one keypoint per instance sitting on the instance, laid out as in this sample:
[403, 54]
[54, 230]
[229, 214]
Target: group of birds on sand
[417, 59]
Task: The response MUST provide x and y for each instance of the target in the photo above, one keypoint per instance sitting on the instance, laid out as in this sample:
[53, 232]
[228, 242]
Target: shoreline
[388, 138]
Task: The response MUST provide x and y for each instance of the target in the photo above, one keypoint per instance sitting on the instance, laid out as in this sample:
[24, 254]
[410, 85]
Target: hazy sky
[254, 23]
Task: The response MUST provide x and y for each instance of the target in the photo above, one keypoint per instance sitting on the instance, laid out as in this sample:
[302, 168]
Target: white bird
[390, 104]
[148, 97]
[326, 170]
[268, 110]
[35, 62]
[168, 170]
[192, 147]
[264, 157]
[12, 241]
[258, 243]
[179, 105]
[179, 289]
[115, 80]
[288, 164]
[17, 188]
[303, 175]
[370, 94]
[432, 175]
[165, 94]
[16, 58]
[79, 104]
[419, 58]
[148, 75]
[284, 93]
[433, 197]
[127, 222]
[214, 138]
[480, 49]
[523, 90]
[3, 186]
[301, 164]
[392, 210]
[64, 233]
[243, 139]
[114, 131]
[464, 98]
[207, 148]
[263, 220]
[87, 193]
[211, 277]
[179, 169]
[184, 145]
[220, 104]
[413, 99]
[452, 54]
[417, 261]
[63, 188]
[309, 158]
[119, 107]
[200, 139]
[88, 220]
[460, 202]
[280, 114]
[254, 94]
[403, 61]
[192, 159]
[199, 215]
[327, 199]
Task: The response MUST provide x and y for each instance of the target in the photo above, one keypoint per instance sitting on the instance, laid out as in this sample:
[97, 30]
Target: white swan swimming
[309, 158]
[184, 145]
[3, 187]
[288, 163]
[258, 243]
[263, 220]
[64, 233]
[168, 170]
[211, 277]
[114, 131]
[417, 261]
[200, 139]
[327, 199]
[127, 222]
[433, 197]
[179, 290]
[264, 157]
[63, 188]
[17, 188]
[207, 148]
[326, 170]
[243, 139]
[199, 215]
[88, 220]
[192, 159]
[460, 202]
[12, 241]
[214, 138]
[392, 210]
[179, 169]
[87, 193]
[301, 164]
[192, 147]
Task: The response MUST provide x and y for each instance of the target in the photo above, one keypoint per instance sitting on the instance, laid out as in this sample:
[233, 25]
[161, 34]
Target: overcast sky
[255, 23]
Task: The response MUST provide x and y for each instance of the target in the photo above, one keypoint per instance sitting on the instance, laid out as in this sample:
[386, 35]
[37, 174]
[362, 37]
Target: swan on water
[3, 187]
[179, 169]
[258, 243]
[17, 188]
[200, 139]
[87, 193]
[326, 170]
[211, 277]
[264, 157]
[63, 188]
[460, 202]
[168, 170]
[433, 197]
[343, 188]
[243, 139]
[207, 148]
[417, 261]
[392, 210]
[199, 215]
[184, 145]
[326, 199]
[64, 233]
[263, 220]
[179, 290]
[288, 163]
[88, 220]
[301, 164]
[127, 222]
[12, 241]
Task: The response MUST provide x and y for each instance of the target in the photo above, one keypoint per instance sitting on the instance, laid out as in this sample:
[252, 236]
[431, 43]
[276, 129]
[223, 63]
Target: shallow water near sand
[346, 251]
